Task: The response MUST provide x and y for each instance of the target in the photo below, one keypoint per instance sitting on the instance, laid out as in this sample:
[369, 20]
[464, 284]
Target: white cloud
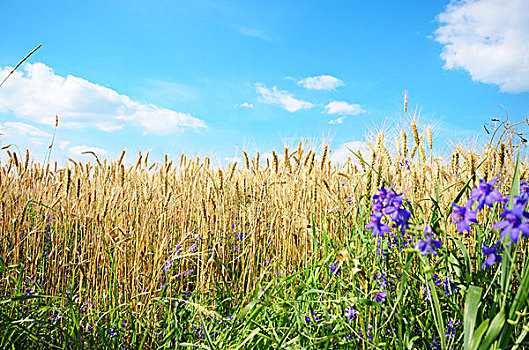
[344, 108]
[246, 105]
[63, 144]
[36, 93]
[24, 136]
[22, 129]
[337, 121]
[233, 159]
[344, 151]
[321, 82]
[253, 32]
[282, 98]
[489, 39]
[78, 151]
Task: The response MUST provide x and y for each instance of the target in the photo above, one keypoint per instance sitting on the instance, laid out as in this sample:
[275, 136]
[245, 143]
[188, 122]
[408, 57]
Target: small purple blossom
[113, 332]
[382, 280]
[177, 250]
[428, 244]
[377, 226]
[351, 313]
[167, 265]
[335, 269]
[449, 287]
[380, 297]
[427, 293]
[512, 223]
[463, 216]
[450, 327]
[486, 194]
[524, 189]
[492, 255]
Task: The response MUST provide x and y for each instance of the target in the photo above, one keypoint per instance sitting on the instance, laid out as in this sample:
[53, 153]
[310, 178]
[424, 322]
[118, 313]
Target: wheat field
[123, 243]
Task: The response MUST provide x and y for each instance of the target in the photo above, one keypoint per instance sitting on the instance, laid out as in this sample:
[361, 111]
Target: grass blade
[472, 300]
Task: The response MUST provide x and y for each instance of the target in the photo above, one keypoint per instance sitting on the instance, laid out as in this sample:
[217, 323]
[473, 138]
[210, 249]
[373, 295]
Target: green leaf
[472, 300]
[494, 330]
[520, 299]
[247, 309]
[205, 328]
[478, 334]
[248, 338]
[438, 315]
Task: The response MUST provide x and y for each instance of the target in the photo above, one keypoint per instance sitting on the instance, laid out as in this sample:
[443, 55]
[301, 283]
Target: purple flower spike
[380, 297]
[524, 189]
[512, 223]
[167, 265]
[486, 194]
[428, 244]
[492, 255]
[335, 269]
[351, 313]
[463, 216]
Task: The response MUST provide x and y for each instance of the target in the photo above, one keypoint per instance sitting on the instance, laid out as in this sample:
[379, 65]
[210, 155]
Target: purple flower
[492, 255]
[378, 227]
[405, 164]
[450, 327]
[335, 269]
[113, 332]
[486, 194]
[177, 248]
[382, 280]
[387, 200]
[314, 317]
[524, 189]
[401, 217]
[448, 286]
[380, 297]
[512, 222]
[463, 216]
[428, 244]
[351, 313]
[167, 265]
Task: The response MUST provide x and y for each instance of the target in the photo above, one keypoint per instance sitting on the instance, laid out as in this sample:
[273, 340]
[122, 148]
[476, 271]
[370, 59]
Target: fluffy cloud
[337, 121]
[489, 39]
[344, 151]
[321, 82]
[246, 105]
[233, 159]
[24, 136]
[79, 150]
[282, 98]
[22, 129]
[36, 93]
[344, 108]
[253, 32]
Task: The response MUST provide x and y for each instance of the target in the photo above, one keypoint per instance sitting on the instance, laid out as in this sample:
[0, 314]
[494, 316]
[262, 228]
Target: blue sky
[218, 77]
